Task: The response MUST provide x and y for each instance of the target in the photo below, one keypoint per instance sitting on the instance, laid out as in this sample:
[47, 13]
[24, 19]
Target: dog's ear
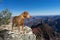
[25, 13]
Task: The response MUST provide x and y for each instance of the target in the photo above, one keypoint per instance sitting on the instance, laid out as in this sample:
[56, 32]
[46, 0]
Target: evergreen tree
[5, 16]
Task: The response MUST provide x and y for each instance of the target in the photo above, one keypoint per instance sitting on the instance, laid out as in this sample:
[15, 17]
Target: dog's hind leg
[12, 27]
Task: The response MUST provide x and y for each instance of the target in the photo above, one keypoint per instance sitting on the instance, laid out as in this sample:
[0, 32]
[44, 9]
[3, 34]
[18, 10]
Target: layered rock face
[45, 32]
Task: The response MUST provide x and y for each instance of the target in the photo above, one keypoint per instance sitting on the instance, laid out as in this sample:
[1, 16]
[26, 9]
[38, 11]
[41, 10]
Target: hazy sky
[34, 7]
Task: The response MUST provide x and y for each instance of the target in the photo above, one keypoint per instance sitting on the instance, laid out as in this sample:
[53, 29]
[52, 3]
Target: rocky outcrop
[6, 34]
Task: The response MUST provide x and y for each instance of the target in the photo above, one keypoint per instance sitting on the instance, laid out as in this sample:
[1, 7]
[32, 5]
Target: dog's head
[26, 15]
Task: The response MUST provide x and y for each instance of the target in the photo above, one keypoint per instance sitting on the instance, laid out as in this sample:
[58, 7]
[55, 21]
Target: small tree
[5, 16]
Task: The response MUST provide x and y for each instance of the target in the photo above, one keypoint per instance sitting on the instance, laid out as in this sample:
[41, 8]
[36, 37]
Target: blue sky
[34, 7]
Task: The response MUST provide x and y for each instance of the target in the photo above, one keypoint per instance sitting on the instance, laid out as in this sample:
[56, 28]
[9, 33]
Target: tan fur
[19, 20]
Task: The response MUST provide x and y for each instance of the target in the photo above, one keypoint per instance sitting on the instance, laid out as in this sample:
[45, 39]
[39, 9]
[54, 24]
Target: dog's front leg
[23, 27]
